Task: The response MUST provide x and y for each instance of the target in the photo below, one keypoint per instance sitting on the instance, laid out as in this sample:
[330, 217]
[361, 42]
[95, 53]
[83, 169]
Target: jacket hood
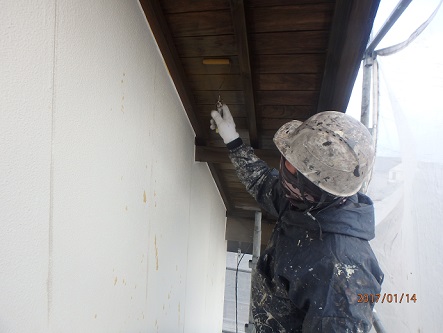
[355, 217]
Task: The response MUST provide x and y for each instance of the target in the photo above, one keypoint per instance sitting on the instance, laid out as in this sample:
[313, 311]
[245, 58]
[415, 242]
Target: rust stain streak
[156, 253]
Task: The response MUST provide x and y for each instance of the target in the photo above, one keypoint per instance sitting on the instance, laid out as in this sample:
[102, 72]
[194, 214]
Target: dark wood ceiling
[287, 59]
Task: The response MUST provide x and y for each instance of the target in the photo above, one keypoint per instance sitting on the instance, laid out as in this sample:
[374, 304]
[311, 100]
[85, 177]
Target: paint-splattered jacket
[314, 274]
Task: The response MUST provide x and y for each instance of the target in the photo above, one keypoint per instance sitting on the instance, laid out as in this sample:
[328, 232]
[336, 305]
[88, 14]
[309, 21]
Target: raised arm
[260, 180]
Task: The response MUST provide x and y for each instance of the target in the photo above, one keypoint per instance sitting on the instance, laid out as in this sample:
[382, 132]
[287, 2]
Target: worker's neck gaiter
[300, 191]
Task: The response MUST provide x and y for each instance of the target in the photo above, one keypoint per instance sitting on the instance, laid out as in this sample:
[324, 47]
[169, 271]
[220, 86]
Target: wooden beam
[350, 30]
[239, 21]
[154, 15]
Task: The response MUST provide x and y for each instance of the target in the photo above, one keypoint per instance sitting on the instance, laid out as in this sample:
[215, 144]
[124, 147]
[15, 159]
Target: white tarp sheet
[407, 184]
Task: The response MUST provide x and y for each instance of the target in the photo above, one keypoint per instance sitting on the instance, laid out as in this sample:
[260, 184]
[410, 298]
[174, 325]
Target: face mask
[298, 189]
[302, 193]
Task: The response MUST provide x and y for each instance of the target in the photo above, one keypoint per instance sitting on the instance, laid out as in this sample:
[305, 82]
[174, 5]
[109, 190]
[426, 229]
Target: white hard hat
[333, 150]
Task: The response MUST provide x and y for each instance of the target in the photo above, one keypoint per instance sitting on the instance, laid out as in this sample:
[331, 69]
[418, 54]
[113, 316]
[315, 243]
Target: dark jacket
[316, 268]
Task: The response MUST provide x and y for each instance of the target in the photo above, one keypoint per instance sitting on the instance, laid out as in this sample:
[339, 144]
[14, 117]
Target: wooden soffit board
[284, 60]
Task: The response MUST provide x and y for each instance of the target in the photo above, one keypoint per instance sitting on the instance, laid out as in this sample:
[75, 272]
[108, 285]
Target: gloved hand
[225, 125]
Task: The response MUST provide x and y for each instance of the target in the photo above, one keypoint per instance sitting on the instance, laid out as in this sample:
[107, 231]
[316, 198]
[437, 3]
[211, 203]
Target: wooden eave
[288, 59]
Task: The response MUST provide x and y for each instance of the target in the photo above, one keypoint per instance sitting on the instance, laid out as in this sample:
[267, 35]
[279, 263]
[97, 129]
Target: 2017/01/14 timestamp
[387, 297]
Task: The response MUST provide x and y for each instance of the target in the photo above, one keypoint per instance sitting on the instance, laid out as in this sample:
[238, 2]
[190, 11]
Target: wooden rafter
[347, 44]
[239, 21]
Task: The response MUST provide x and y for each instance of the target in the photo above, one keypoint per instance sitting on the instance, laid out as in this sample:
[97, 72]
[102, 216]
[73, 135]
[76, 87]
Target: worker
[318, 272]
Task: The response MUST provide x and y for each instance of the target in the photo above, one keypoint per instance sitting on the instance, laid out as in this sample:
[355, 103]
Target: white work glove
[225, 125]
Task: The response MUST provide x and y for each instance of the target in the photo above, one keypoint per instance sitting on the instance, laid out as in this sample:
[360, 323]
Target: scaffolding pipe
[402, 5]
[366, 91]
[375, 102]
[377, 323]
[256, 242]
[256, 245]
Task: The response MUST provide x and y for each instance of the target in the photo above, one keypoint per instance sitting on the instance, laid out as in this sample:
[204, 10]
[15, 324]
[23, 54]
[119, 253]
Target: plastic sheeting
[407, 183]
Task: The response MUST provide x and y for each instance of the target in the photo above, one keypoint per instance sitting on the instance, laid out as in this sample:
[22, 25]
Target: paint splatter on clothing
[309, 277]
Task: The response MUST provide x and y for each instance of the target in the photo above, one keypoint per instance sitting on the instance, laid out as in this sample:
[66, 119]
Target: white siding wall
[107, 223]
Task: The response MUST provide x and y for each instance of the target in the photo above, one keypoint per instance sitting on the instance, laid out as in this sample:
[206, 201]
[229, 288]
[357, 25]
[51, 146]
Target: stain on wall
[72, 157]
[156, 253]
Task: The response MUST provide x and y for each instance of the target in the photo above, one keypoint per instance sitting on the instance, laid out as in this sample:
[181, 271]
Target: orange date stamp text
[387, 298]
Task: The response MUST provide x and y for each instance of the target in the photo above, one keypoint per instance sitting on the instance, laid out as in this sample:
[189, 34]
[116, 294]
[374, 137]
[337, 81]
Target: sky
[411, 83]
